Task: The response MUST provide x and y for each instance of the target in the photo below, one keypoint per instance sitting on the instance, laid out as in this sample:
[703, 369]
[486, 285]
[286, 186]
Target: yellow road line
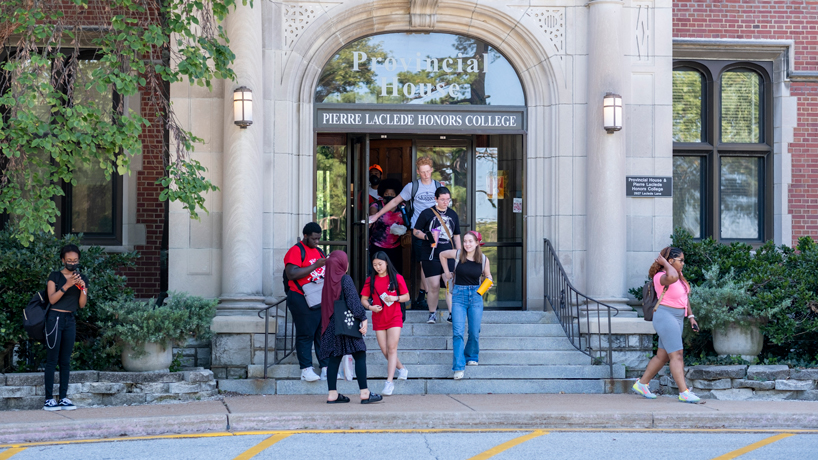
[11, 452]
[258, 448]
[753, 446]
[427, 430]
[508, 445]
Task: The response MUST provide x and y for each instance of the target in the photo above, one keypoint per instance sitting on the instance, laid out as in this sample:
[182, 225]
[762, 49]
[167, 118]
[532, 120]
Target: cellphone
[695, 327]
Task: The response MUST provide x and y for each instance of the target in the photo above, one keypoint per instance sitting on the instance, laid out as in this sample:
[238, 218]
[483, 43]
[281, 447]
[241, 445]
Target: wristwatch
[62, 289]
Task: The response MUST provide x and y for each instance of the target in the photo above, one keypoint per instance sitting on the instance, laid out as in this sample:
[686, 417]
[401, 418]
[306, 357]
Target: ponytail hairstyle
[668, 253]
[391, 272]
[478, 254]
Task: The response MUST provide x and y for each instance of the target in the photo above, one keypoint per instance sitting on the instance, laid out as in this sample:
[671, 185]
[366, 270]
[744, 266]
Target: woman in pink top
[668, 320]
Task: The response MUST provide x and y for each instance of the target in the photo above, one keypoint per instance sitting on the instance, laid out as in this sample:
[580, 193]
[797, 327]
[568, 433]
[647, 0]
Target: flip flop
[373, 398]
[341, 399]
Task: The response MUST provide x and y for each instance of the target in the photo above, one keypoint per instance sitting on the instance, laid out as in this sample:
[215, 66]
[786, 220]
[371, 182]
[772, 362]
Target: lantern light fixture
[612, 112]
[243, 107]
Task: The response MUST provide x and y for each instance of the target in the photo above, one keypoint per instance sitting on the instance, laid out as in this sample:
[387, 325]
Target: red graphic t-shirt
[293, 256]
[390, 316]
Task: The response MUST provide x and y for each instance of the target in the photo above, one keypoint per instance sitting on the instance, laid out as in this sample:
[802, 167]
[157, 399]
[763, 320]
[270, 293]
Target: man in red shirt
[303, 264]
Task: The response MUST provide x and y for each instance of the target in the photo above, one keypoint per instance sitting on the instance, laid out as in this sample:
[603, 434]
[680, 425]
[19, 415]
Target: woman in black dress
[334, 346]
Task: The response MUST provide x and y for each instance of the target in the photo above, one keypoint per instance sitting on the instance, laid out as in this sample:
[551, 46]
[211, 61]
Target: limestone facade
[568, 54]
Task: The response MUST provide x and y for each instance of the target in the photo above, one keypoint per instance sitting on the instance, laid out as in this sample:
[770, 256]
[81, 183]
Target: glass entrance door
[484, 174]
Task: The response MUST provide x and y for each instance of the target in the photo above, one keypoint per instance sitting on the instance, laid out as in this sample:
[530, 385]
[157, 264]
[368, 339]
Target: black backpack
[34, 316]
[303, 256]
[410, 204]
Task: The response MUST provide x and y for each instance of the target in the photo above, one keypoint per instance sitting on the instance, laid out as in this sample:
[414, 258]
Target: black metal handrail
[288, 346]
[566, 301]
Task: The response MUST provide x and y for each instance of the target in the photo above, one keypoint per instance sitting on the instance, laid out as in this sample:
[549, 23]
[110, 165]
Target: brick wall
[145, 278]
[766, 20]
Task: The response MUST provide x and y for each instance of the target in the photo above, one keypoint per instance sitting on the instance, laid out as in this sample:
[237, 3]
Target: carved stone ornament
[422, 14]
[552, 22]
[297, 16]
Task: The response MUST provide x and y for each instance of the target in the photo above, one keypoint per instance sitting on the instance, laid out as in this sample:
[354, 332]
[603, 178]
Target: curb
[170, 425]
[110, 428]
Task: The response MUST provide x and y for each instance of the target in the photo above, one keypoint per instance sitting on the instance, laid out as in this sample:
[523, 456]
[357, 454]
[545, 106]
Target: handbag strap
[658, 302]
[445, 227]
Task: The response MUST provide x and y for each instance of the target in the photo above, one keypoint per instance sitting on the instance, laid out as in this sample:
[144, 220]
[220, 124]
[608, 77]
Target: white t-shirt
[373, 192]
[424, 198]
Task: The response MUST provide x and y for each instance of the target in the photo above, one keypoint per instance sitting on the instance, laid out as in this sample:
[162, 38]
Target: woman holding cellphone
[67, 292]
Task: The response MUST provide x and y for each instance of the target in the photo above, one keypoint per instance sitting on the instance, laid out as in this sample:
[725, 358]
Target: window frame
[712, 149]
[63, 223]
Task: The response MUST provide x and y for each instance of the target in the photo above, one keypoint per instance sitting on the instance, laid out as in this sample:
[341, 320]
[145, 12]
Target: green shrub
[24, 271]
[135, 322]
[720, 300]
[782, 287]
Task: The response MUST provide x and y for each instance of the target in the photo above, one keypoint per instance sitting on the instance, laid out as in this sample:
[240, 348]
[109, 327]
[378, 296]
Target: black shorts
[417, 248]
[433, 267]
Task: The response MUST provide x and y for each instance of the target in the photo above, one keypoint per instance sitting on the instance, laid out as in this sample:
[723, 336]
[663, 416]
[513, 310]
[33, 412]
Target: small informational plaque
[648, 186]
[517, 205]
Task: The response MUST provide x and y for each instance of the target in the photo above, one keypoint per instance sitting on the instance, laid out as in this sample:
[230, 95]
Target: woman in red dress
[384, 301]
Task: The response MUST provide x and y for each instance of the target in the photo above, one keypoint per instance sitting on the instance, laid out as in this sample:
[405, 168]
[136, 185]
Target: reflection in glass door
[450, 162]
[331, 186]
[498, 214]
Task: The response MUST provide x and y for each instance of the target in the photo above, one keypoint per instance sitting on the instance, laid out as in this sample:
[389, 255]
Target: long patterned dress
[340, 345]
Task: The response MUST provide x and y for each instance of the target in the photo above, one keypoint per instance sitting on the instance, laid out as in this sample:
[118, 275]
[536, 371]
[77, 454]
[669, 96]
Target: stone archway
[516, 34]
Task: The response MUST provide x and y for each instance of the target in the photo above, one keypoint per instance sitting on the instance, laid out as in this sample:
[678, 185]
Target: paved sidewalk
[252, 413]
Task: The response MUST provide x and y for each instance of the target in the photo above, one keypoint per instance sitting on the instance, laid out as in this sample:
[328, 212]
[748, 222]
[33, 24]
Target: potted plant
[723, 305]
[147, 331]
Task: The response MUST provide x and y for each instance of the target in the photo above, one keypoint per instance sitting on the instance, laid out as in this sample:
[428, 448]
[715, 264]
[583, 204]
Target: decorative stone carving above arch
[552, 22]
[296, 18]
[423, 14]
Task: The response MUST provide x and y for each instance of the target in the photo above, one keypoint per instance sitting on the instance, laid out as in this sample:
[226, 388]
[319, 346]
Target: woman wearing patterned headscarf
[335, 346]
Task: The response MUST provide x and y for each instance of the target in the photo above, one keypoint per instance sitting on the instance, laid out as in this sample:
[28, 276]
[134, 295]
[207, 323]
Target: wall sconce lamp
[612, 112]
[243, 107]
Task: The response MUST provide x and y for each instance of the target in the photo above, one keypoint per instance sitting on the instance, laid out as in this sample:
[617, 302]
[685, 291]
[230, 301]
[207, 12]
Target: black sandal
[341, 399]
[373, 398]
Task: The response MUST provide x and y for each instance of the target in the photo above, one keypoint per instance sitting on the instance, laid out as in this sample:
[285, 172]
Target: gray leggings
[669, 324]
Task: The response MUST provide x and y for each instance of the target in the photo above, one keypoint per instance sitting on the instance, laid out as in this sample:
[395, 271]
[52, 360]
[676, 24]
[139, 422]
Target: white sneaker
[323, 373]
[459, 374]
[388, 388]
[471, 363]
[403, 374]
[309, 375]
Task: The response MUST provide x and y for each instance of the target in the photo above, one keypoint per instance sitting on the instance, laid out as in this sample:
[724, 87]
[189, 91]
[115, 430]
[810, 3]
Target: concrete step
[487, 330]
[417, 386]
[487, 357]
[486, 343]
[489, 317]
[444, 371]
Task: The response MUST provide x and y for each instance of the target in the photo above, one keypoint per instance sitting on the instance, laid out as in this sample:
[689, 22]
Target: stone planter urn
[157, 357]
[745, 340]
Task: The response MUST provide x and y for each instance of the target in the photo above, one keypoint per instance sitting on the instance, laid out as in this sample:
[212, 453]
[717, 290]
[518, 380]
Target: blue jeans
[466, 303]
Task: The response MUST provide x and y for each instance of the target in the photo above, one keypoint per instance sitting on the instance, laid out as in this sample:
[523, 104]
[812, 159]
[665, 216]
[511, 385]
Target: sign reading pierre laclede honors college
[649, 186]
[430, 119]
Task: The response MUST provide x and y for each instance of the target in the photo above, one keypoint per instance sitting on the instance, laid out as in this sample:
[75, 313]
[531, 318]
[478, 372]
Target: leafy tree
[64, 107]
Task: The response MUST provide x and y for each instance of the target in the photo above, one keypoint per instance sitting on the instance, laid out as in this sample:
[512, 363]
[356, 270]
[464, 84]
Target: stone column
[606, 212]
[242, 169]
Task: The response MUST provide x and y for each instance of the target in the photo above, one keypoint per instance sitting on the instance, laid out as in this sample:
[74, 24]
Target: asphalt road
[499, 445]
